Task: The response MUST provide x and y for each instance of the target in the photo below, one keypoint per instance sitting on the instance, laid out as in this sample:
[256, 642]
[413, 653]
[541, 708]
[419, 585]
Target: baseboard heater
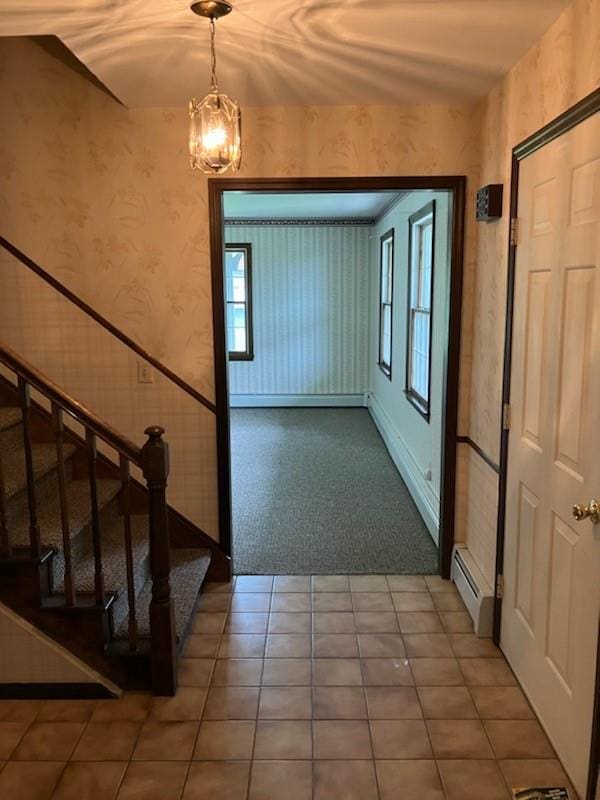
[476, 593]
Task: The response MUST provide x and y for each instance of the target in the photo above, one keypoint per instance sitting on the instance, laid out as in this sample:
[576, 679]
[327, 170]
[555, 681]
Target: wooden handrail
[87, 309]
[55, 394]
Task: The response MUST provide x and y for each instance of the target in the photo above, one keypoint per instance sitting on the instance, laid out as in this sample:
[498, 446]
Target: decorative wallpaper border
[289, 221]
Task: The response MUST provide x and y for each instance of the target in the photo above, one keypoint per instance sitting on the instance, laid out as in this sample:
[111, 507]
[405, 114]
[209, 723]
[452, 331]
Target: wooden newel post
[155, 465]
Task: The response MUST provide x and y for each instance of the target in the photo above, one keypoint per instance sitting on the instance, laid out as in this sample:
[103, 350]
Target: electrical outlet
[145, 373]
[427, 474]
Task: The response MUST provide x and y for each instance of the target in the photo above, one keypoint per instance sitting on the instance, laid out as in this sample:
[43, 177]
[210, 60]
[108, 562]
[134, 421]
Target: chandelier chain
[213, 57]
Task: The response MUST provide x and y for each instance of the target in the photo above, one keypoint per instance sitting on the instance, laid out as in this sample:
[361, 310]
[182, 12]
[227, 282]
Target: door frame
[581, 111]
[454, 183]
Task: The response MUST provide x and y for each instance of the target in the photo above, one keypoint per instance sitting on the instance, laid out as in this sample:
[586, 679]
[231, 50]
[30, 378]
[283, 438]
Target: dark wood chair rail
[31, 376]
[62, 289]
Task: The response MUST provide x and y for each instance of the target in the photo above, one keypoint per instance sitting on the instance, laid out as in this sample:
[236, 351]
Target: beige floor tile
[350, 780]
[400, 738]
[209, 623]
[242, 645]
[66, 711]
[472, 780]
[330, 583]
[436, 672]
[90, 781]
[348, 739]
[247, 622]
[334, 621]
[339, 702]
[437, 584]
[522, 772]
[132, 707]
[332, 601]
[251, 601]
[427, 645]
[486, 672]
[456, 621]
[11, 734]
[49, 741]
[289, 622]
[268, 778]
[290, 602]
[188, 704]
[195, 671]
[237, 672]
[19, 710]
[253, 583]
[459, 738]
[165, 741]
[337, 672]
[448, 601]
[418, 779]
[202, 645]
[285, 702]
[225, 740]
[287, 672]
[419, 622]
[30, 780]
[159, 780]
[406, 583]
[386, 672]
[214, 602]
[393, 702]
[381, 645]
[288, 645]
[501, 702]
[335, 645]
[468, 645]
[376, 622]
[107, 741]
[283, 739]
[292, 583]
[368, 583]
[412, 601]
[522, 738]
[372, 601]
[226, 780]
[231, 702]
[447, 702]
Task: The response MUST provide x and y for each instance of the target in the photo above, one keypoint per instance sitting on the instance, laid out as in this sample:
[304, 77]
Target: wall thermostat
[489, 202]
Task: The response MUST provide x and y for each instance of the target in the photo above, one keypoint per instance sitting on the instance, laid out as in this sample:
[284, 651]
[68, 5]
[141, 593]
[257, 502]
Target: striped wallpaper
[311, 310]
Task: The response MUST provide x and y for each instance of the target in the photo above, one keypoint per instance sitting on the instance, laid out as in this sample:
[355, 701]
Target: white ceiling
[340, 205]
[289, 52]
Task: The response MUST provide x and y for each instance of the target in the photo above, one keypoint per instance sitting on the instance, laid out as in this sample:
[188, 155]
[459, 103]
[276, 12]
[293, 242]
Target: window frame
[415, 221]
[383, 240]
[248, 353]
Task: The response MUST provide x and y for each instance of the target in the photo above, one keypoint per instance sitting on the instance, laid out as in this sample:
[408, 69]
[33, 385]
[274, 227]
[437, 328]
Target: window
[386, 289]
[238, 298]
[420, 288]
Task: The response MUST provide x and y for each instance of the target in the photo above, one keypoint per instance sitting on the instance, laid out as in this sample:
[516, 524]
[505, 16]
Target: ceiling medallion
[215, 121]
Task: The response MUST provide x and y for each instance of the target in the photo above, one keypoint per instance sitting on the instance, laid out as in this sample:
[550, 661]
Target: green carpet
[316, 492]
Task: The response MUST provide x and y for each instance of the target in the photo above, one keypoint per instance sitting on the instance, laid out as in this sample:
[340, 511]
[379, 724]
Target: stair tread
[44, 461]
[188, 570]
[9, 417]
[79, 505]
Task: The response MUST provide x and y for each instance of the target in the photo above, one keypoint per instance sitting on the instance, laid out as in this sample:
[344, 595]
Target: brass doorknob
[584, 512]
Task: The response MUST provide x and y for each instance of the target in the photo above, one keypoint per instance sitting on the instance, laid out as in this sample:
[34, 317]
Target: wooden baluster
[34, 528]
[58, 427]
[155, 465]
[126, 510]
[90, 439]
[4, 538]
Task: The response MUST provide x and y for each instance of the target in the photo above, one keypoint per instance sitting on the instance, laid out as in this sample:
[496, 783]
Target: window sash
[386, 290]
[238, 301]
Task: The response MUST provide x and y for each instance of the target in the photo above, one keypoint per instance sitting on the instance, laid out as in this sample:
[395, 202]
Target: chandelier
[215, 121]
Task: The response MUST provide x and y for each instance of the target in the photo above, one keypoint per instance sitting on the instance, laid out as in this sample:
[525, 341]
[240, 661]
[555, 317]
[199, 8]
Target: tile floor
[323, 688]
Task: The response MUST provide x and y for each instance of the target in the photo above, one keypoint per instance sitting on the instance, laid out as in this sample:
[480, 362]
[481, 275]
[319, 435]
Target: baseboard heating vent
[476, 593]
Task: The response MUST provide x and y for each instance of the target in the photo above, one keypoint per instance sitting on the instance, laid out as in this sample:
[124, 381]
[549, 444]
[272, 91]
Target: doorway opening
[336, 308]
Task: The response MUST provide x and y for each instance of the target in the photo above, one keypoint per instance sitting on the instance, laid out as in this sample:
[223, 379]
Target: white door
[551, 604]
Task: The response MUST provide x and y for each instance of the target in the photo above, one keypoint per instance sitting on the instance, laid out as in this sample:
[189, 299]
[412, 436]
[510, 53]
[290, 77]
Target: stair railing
[152, 459]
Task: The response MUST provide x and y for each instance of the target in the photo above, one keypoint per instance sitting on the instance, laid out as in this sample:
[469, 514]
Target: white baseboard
[407, 468]
[297, 400]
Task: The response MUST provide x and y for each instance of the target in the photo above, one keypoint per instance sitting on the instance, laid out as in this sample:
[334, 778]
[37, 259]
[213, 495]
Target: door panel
[552, 562]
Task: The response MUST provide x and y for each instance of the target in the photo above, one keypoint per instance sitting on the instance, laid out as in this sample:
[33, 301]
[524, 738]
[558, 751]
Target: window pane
[235, 273]
[236, 327]
[419, 360]
[386, 335]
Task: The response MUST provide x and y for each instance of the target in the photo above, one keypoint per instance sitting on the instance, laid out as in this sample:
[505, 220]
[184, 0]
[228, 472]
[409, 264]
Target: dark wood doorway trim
[569, 119]
[453, 183]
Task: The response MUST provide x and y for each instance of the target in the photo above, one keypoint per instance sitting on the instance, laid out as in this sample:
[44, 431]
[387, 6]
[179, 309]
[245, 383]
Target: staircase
[90, 555]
